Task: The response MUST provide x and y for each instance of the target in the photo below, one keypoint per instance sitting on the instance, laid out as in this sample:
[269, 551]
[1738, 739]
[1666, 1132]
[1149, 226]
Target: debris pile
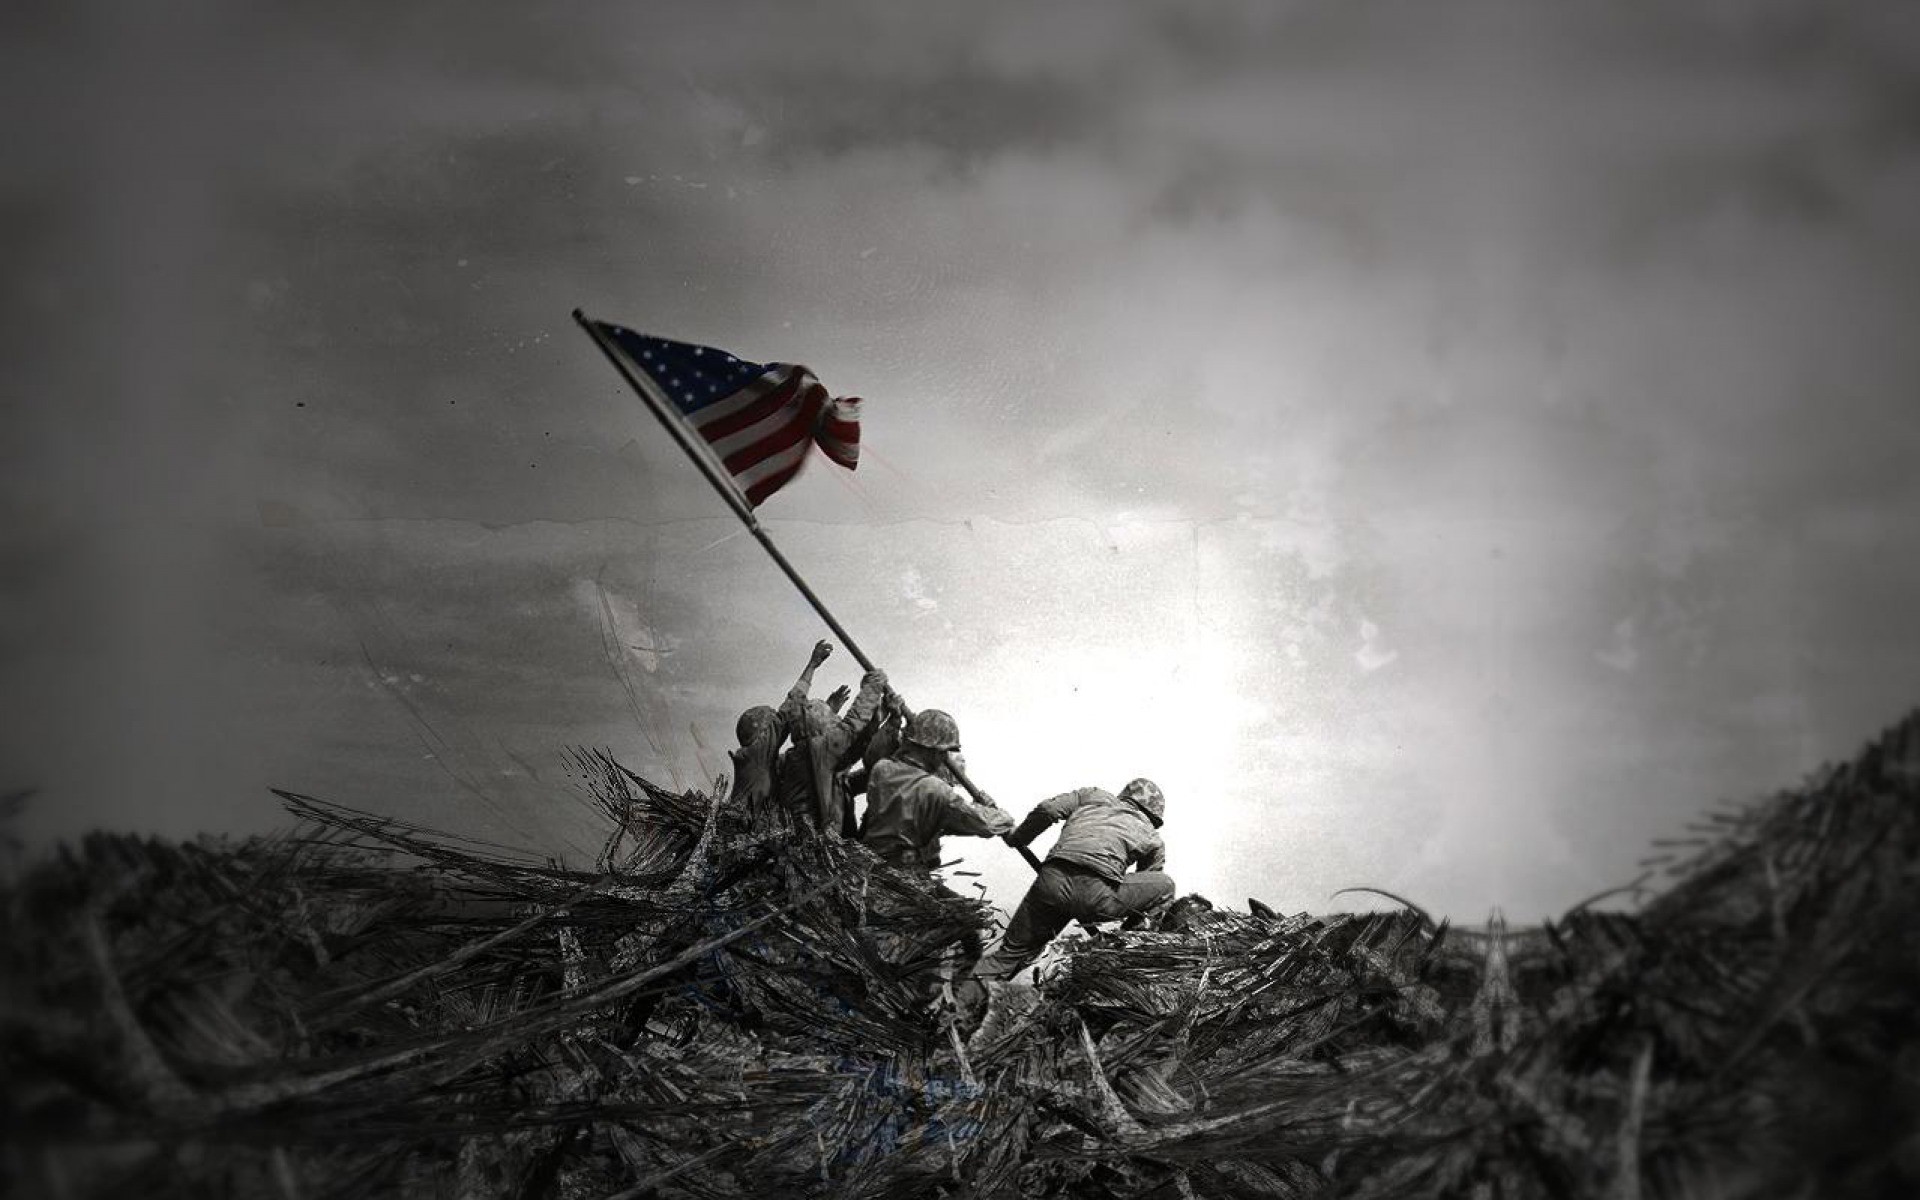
[363, 1007]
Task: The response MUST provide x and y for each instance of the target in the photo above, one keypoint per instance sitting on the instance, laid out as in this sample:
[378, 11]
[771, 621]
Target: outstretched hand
[821, 650]
[838, 696]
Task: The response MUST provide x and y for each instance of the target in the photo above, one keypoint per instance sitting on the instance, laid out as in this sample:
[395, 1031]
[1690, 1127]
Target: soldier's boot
[1148, 917]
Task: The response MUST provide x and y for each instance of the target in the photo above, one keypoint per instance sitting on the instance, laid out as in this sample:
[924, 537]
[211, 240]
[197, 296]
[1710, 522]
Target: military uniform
[1085, 876]
[760, 731]
[812, 785]
[910, 809]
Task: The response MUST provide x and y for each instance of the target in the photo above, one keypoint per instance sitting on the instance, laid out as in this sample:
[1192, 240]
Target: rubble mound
[725, 1007]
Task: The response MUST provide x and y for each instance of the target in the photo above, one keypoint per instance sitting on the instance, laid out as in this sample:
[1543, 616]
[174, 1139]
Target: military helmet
[756, 722]
[1146, 795]
[933, 729]
[815, 719]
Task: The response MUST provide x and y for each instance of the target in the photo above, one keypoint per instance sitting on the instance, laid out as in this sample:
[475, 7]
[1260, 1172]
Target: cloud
[1373, 654]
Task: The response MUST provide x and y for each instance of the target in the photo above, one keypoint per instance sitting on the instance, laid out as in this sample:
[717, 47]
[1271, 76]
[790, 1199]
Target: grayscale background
[1446, 445]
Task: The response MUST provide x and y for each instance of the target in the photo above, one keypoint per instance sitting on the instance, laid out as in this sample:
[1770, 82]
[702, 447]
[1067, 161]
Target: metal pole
[662, 409]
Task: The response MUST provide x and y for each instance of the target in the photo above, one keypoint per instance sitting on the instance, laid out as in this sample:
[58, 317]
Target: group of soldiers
[810, 761]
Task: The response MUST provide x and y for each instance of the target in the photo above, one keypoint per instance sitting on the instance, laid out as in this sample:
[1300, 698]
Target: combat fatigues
[812, 785]
[756, 760]
[909, 810]
[1085, 876]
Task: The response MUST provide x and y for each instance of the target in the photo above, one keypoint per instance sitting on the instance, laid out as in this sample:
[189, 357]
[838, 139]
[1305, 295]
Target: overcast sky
[1446, 445]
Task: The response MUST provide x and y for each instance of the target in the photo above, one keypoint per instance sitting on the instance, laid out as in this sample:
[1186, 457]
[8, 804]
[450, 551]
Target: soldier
[888, 729]
[912, 801]
[1085, 876]
[811, 781]
[760, 731]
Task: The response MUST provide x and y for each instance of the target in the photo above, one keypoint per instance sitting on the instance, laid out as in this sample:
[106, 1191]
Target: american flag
[758, 418]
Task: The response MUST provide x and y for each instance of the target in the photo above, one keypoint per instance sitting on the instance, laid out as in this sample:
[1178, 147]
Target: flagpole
[662, 410]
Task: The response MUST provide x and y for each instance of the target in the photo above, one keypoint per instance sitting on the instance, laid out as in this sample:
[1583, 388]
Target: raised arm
[821, 650]
[797, 694]
[846, 737]
[866, 705]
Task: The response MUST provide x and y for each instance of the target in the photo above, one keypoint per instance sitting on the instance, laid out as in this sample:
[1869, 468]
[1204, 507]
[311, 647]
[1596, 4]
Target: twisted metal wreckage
[362, 1007]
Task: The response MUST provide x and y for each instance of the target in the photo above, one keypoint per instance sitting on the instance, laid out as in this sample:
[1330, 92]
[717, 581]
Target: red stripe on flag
[839, 433]
[789, 432]
[757, 411]
[772, 483]
[846, 456]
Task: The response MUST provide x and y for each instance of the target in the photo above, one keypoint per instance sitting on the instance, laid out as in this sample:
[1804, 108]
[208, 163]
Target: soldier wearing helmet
[811, 783]
[912, 801]
[1086, 874]
[760, 731]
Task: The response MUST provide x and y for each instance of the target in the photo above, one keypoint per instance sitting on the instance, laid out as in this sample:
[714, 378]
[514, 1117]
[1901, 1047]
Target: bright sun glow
[1147, 694]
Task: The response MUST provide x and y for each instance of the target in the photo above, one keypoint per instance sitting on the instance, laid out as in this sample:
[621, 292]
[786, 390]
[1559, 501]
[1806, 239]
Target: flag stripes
[758, 420]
